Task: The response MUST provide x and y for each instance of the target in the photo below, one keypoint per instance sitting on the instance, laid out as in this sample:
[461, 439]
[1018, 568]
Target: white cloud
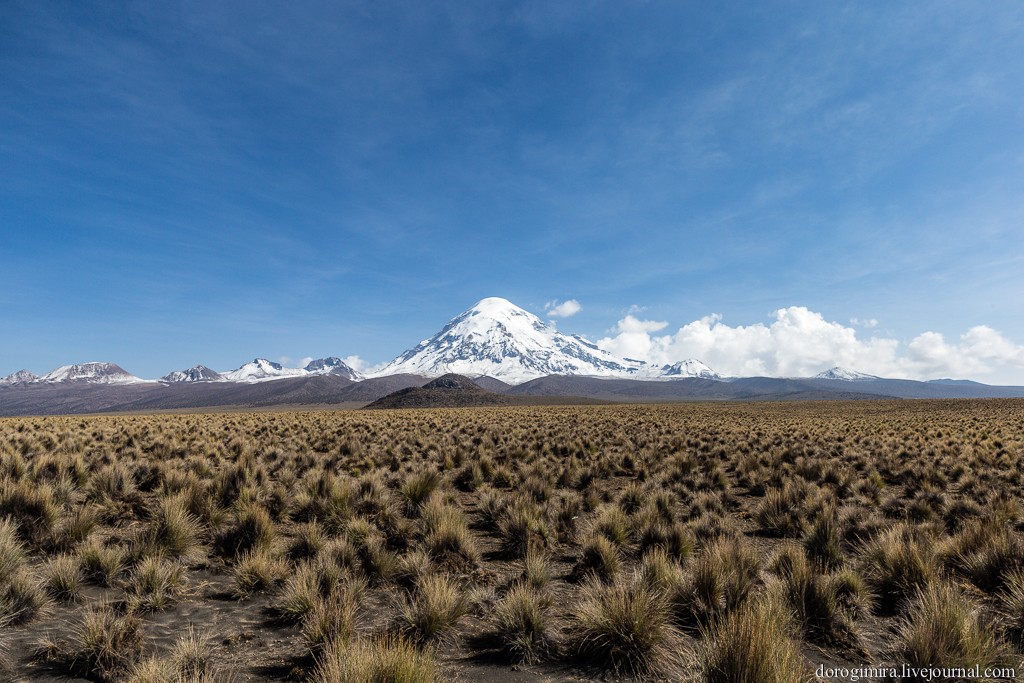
[564, 309]
[356, 363]
[284, 360]
[303, 362]
[979, 349]
[868, 322]
[634, 337]
[800, 342]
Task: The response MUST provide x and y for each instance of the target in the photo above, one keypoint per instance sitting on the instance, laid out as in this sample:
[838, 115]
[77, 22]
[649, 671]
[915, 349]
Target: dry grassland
[718, 543]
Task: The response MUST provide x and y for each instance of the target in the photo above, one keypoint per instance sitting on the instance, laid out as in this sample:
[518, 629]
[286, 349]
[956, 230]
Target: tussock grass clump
[325, 498]
[258, 572]
[252, 529]
[752, 645]
[823, 541]
[377, 563]
[447, 536]
[33, 509]
[719, 581]
[898, 563]
[112, 483]
[101, 564]
[383, 660]
[536, 570]
[523, 527]
[303, 590]
[986, 551]
[340, 553]
[567, 513]
[815, 601]
[106, 645]
[308, 542]
[614, 524]
[943, 629]
[599, 557]
[192, 657]
[157, 583]
[23, 599]
[623, 627]
[432, 609]
[416, 488]
[75, 527]
[12, 552]
[333, 619]
[359, 531]
[412, 567]
[675, 538]
[63, 578]
[1011, 607]
[522, 626]
[189, 661]
[660, 572]
[632, 498]
[172, 531]
[372, 495]
[781, 511]
[852, 592]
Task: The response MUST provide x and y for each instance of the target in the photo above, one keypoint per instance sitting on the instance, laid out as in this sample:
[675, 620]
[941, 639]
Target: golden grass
[385, 545]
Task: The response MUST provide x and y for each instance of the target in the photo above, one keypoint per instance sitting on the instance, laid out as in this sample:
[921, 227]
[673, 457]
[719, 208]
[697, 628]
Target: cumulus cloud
[800, 342]
[869, 322]
[633, 337]
[564, 309]
[356, 363]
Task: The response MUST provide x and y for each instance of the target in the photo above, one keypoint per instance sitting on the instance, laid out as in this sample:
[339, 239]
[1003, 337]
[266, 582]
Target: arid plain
[704, 542]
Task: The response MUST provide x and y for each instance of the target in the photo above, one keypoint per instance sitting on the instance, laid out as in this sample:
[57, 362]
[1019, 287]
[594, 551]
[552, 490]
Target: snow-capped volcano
[331, 366]
[198, 373]
[20, 377]
[259, 369]
[842, 373]
[498, 339]
[691, 367]
[93, 373]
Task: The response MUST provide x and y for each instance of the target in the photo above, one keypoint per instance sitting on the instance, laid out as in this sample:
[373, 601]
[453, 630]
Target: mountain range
[504, 348]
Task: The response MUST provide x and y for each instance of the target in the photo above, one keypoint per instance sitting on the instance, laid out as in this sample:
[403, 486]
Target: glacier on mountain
[498, 339]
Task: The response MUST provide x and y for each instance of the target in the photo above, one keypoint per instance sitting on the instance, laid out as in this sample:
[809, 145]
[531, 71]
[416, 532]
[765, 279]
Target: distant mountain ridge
[197, 373]
[92, 372]
[503, 348]
[20, 377]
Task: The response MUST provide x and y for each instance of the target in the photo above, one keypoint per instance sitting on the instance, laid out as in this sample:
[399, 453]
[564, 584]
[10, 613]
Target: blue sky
[208, 182]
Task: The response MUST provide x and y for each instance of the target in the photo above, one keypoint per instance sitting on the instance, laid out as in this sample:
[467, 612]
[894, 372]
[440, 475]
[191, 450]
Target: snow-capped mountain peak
[498, 339]
[691, 367]
[331, 366]
[843, 373]
[93, 373]
[20, 377]
[259, 369]
[198, 373]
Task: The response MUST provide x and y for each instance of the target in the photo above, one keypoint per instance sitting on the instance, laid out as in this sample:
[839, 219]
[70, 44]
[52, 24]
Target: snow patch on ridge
[844, 374]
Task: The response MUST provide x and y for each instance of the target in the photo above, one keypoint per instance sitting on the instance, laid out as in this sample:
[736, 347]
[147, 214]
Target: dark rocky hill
[447, 391]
